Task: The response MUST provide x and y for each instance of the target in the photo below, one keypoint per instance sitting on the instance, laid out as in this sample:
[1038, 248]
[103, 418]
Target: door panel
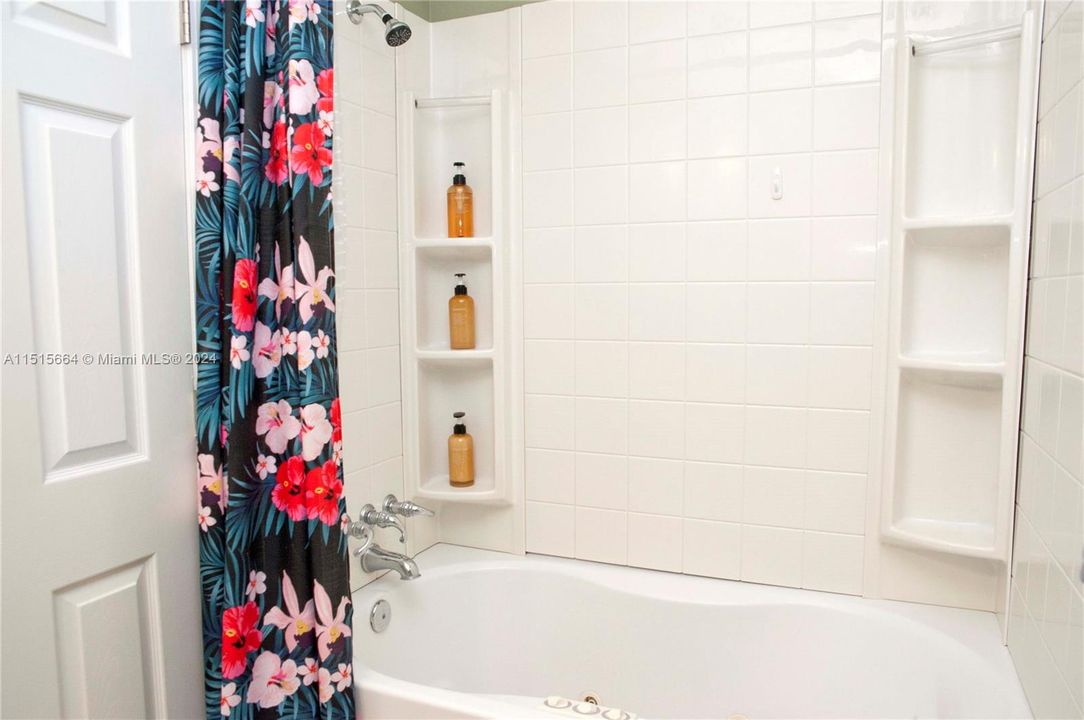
[110, 666]
[78, 236]
[101, 603]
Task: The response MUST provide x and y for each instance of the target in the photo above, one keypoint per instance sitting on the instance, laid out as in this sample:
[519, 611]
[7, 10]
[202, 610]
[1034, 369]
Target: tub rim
[974, 631]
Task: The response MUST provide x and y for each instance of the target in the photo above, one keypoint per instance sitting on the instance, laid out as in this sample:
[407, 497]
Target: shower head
[396, 32]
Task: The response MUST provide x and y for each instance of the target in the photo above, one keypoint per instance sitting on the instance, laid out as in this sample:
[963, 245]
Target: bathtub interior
[505, 92]
[663, 645]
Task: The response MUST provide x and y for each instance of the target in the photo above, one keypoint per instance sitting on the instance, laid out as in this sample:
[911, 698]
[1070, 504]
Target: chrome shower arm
[355, 9]
[396, 32]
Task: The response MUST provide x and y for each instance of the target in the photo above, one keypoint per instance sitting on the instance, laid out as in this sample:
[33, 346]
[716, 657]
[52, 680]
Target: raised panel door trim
[92, 411]
[89, 686]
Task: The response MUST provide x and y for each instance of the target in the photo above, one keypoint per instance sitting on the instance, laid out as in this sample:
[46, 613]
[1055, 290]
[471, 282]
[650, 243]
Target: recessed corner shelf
[454, 356]
[435, 267]
[484, 491]
[962, 113]
[959, 538]
[453, 243]
[955, 290]
[957, 275]
[437, 380]
[957, 222]
[444, 131]
[948, 452]
[953, 364]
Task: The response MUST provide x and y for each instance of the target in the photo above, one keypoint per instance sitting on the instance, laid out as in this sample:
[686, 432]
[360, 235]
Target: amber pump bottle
[460, 454]
[461, 316]
[460, 205]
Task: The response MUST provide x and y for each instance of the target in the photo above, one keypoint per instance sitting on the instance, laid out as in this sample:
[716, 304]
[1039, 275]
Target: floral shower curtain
[273, 552]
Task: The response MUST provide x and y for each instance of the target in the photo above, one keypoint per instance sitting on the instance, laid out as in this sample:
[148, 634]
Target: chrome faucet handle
[383, 518]
[360, 530]
[405, 508]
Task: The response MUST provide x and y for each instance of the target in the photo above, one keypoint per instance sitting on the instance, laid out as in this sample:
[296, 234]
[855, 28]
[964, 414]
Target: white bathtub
[484, 634]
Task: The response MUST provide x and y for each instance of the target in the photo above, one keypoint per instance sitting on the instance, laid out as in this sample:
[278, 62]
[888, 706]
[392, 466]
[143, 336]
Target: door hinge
[186, 23]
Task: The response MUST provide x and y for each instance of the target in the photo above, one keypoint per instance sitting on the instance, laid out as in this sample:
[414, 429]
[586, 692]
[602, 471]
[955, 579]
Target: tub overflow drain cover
[380, 616]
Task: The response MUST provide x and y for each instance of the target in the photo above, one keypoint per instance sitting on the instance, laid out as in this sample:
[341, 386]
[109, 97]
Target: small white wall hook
[777, 184]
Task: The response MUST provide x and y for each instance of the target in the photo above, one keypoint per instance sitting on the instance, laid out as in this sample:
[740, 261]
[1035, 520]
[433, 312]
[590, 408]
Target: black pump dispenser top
[459, 428]
[460, 284]
[459, 178]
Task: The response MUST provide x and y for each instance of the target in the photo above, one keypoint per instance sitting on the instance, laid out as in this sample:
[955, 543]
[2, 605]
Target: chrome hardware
[380, 616]
[383, 518]
[405, 508]
[373, 557]
[376, 558]
[396, 32]
[360, 530]
[588, 707]
[186, 23]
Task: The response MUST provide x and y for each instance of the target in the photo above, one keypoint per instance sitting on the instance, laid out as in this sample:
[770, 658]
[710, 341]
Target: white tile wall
[1046, 622]
[367, 264]
[697, 356]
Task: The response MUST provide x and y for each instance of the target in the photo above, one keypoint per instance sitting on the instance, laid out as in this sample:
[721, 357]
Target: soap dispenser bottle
[460, 204]
[460, 454]
[461, 316]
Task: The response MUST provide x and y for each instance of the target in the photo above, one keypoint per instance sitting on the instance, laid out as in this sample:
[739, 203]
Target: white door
[100, 598]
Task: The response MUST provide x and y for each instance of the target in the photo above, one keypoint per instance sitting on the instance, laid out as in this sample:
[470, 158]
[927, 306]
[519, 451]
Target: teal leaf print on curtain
[273, 553]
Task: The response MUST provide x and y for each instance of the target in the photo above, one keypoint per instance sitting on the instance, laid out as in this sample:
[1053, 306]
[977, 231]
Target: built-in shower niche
[435, 269]
[962, 115]
[948, 456]
[445, 132]
[446, 387]
[955, 290]
[438, 381]
[961, 131]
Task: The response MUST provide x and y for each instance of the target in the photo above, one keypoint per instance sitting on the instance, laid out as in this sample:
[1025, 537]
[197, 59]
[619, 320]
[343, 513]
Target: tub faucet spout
[375, 558]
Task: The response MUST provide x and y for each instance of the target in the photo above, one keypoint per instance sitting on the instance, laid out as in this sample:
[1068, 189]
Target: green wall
[437, 10]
